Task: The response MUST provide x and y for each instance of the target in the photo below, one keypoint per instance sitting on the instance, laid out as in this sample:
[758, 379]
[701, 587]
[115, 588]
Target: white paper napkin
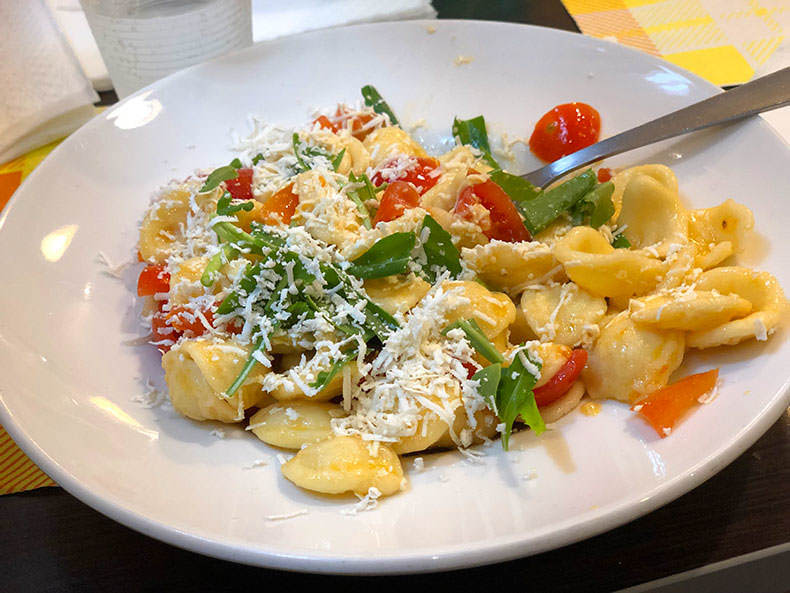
[43, 93]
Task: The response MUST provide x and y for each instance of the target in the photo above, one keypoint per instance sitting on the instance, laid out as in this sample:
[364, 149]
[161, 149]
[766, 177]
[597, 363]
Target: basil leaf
[387, 257]
[439, 250]
[226, 208]
[547, 206]
[374, 99]
[477, 338]
[489, 382]
[257, 158]
[217, 176]
[324, 377]
[473, 132]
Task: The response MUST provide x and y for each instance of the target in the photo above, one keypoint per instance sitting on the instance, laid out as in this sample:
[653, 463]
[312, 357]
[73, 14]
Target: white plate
[67, 381]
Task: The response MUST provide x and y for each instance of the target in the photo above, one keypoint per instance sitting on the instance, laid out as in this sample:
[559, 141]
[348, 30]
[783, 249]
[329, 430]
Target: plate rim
[448, 557]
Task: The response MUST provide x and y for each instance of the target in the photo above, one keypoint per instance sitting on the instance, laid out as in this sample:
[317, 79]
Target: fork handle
[765, 93]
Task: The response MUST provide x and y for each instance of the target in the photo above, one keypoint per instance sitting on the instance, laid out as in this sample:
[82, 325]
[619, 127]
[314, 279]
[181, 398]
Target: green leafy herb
[547, 206]
[217, 176]
[226, 208]
[596, 206]
[338, 159]
[362, 195]
[477, 338]
[515, 398]
[219, 259]
[621, 242]
[473, 132]
[386, 257]
[374, 99]
[257, 158]
[301, 151]
[519, 189]
[489, 382]
[439, 250]
[324, 377]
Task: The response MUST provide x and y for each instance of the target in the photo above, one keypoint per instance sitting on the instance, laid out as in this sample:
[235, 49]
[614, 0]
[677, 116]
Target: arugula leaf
[313, 151]
[439, 250]
[477, 338]
[374, 99]
[219, 259]
[489, 378]
[324, 377]
[361, 195]
[387, 257]
[519, 189]
[338, 159]
[217, 176]
[226, 208]
[596, 205]
[515, 398]
[547, 206]
[621, 242]
[473, 132]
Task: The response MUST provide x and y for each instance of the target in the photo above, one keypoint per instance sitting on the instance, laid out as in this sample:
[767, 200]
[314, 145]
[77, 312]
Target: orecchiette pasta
[345, 296]
[629, 361]
[562, 313]
[759, 289]
[511, 267]
[198, 372]
[592, 263]
[296, 424]
[345, 464]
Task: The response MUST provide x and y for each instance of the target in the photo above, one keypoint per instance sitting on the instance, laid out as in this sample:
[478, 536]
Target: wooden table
[49, 541]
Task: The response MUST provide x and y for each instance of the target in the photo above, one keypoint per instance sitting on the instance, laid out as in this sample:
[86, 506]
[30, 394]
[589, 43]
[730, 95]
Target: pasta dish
[345, 295]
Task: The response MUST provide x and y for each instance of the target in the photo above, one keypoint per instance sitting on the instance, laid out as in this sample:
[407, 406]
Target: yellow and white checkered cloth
[17, 472]
[724, 41]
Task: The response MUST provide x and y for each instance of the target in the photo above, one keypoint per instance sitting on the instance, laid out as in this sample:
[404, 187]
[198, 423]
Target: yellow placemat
[17, 472]
[724, 41]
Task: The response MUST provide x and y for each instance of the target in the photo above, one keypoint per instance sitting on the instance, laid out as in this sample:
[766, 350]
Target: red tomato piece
[420, 174]
[470, 369]
[185, 320]
[153, 279]
[604, 174]
[398, 197]
[663, 408]
[324, 122]
[562, 380]
[506, 223]
[280, 207]
[241, 187]
[163, 335]
[355, 123]
[565, 129]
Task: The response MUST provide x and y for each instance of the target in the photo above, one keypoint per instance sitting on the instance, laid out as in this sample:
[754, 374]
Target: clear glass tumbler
[143, 40]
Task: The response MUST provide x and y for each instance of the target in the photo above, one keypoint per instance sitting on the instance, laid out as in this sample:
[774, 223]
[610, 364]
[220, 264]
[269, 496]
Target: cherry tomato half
[280, 207]
[604, 174]
[506, 223]
[153, 279]
[398, 197]
[420, 174]
[565, 129]
[241, 187]
[561, 382]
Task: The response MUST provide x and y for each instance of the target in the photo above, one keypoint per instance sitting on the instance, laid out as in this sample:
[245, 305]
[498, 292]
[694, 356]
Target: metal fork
[765, 93]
